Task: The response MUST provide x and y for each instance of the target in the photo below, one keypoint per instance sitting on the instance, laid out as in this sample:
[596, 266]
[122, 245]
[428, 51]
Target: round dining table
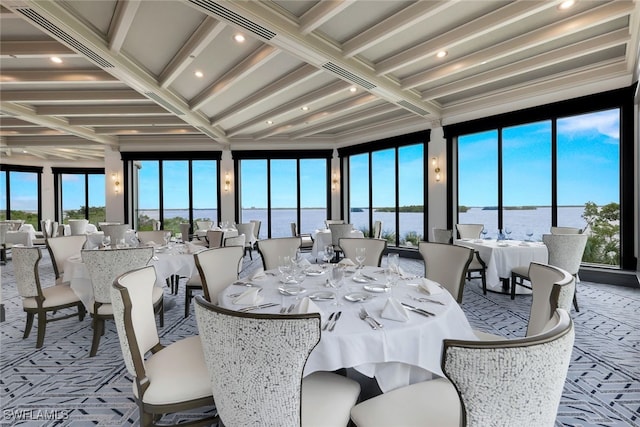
[397, 354]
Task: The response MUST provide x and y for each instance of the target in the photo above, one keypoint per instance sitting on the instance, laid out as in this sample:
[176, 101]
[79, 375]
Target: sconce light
[227, 182]
[116, 182]
[436, 168]
[334, 182]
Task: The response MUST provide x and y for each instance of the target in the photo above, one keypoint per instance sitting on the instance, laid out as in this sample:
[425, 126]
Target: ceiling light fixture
[441, 54]
[199, 74]
[566, 4]
[239, 38]
[56, 60]
[353, 89]
[305, 108]
[269, 122]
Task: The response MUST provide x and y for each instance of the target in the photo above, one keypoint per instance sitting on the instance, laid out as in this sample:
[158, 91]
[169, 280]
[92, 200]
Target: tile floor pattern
[62, 384]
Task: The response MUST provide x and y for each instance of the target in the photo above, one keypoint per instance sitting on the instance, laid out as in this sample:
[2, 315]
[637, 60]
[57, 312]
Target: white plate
[376, 288]
[321, 296]
[360, 279]
[357, 297]
[503, 245]
[291, 290]
[314, 272]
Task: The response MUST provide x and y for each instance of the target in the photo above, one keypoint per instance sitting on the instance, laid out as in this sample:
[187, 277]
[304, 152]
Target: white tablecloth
[502, 257]
[322, 238]
[228, 232]
[401, 353]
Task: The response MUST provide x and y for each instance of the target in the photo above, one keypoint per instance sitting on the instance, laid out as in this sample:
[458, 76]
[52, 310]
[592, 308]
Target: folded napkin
[346, 262]
[259, 274]
[249, 297]
[393, 310]
[192, 248]
[430, 287]
[304, 263]
[397, 269]
[306, 306]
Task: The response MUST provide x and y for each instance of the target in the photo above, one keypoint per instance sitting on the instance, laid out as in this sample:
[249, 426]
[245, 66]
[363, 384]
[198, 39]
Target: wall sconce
[227, 182]
[436, 168]
[116, 182]
[334, 182]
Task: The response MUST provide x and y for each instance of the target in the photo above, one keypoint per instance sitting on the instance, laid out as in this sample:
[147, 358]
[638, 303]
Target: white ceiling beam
[321, 13]
[555, 56]
[235, 75]
[577, 23]
[56, 141]
[199, 40]
[63, 96]
[146, 130]
[401, 21]
[32, 130]
[98, 121]
[121, 23]
[56, 76]
[100, 110]
[485, 24]
[34, 49]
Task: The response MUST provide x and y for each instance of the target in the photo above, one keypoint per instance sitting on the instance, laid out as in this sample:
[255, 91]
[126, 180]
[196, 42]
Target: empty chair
[328, 222]
[185, 231]
[78, 226]
[374, 249]
[101, 224]
[478, 266]
[247, 229]
[272, 249]
[60, 249]
[204, 225]
[481, 376]
[305, 238]
[38, 300]
[239, 240]
[377, 230]
[446, 265]
[566, 230]
[155, 237]
[214, 238]
[245, 349]
[9, 239]
[338, 231]
[442, 235]
[565, 251]
[116, 232]
[172, 378]
[104, 267]
[469, 231]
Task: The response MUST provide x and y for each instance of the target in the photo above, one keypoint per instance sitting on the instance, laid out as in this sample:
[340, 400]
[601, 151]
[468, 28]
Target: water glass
[329, 253]
[335, 280]
[393, 261]
[106, 241]
[361, 256]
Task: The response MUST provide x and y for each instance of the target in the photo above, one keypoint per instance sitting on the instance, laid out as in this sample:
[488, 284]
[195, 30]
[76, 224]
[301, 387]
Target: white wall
[437, 190]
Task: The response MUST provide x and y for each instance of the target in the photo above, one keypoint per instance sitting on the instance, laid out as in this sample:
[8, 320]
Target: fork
[368, 316]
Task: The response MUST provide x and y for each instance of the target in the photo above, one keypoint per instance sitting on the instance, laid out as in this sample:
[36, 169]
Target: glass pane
[383, 185]
[478, 180]
[589, 181]
[411, 195]
[359, 191]
[24, 197]
[205, 190]
[3, 195]
[73, 196]
[253, 193]
[148, 194]
[313, 194]
[175, 194]
[97, 203]
[526, 180]
[284, 200]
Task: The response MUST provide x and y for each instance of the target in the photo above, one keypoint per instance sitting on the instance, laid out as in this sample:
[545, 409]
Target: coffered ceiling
[170, 75]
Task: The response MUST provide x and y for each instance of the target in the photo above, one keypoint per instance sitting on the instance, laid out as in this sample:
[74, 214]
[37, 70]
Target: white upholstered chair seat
[411, 408]
[327, 399]
[55, 295]
[107, 309]
[170, 385]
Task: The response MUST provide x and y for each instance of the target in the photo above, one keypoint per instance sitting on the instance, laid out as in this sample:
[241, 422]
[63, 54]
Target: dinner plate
[314, 272]
[357, 296]
[360, 279]
[376, 288]
[321, 296]
[503, 245]
[291, 290]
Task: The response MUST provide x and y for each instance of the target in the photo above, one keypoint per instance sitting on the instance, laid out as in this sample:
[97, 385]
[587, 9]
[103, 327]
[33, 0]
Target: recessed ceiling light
[305, 108]
[239, 38]
[566, 4]
[352, 89]
[441, 54]
[269, 122]
[199, 74]
[56, 60]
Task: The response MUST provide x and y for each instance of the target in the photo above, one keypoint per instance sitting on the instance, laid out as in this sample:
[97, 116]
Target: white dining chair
[62, 248]
[374, 249]
[447, 265]
[78, 226]
[271, 250]
[469, 231]
[442, 235]
[565, 230]
[247, 229]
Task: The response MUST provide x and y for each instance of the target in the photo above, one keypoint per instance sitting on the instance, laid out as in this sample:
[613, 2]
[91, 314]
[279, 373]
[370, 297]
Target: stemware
[391, 277]
[335, 280]
[106, 241]
[507, 231]
[484, 233]
[361, 255]
[529, 235]
[167, 238]
[284, 267]
[329, 253]
[393, 261]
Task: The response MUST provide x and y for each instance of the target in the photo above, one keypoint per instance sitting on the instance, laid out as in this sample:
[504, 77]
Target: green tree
[603, 244]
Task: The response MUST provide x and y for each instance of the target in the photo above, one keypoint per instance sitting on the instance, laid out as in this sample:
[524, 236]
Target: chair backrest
[374, 249]
[105, 266]
[294, 229]
[338, 231]
[63, 247]
[115, 231]
[246, 228]
[25, 269]
[156, 224]
[214, 238]
[45, 227]
[256, 228]
[185, 231]
[132, 303]
[4, 228]
[529, 373]
[54, 229]
[377, 229]
[278, 345]
[566, 230]
[328, 222]
[15, 224]
[101, 224]
[552, 288]
[272, 249]
[78, 226]
[218, 268]
[446, 265]
[155, 236]
[239, 240]
[442, 235]
[566, 250]
[204, 225]
[469, 231]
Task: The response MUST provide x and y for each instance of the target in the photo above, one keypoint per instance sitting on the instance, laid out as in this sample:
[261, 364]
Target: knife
[333, 325]
[417, 310]
[324, 328]
[257, 307]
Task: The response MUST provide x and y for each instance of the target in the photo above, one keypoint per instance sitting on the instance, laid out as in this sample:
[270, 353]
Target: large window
[80, 194]
[280, 188]
[20, 193]
[565, 170]
[387, 184]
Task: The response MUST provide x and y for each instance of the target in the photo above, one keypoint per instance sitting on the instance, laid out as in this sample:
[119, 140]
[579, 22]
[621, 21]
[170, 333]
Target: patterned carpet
[60, 385]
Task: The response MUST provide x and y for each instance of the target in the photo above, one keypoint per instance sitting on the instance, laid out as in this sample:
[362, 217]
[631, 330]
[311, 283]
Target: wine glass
[284, 267]
[361, 255]
[393, 262]
[106, 241]
[484, 233]
[167, 238]
[335, 280]
[329, 253]
[529, 235]
[391, 277]
[507, 230]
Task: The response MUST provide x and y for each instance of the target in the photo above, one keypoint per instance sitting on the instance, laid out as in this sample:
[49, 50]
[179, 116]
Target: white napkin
[393, 310]
[304, 263]
[398, 270]
[306, 306]
[346, 262]
[249, 297]
[259, 274]
[430, 287]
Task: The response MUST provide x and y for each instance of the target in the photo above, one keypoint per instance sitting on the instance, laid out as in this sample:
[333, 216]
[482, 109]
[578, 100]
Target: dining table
[322, 238]
[397, 354]
[501, 256]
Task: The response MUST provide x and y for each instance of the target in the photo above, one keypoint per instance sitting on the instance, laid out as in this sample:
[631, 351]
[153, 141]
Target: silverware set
[364, 315]
[417, 310]
[284, 309]
[330, 324]
[423, 299]
[257, 307]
